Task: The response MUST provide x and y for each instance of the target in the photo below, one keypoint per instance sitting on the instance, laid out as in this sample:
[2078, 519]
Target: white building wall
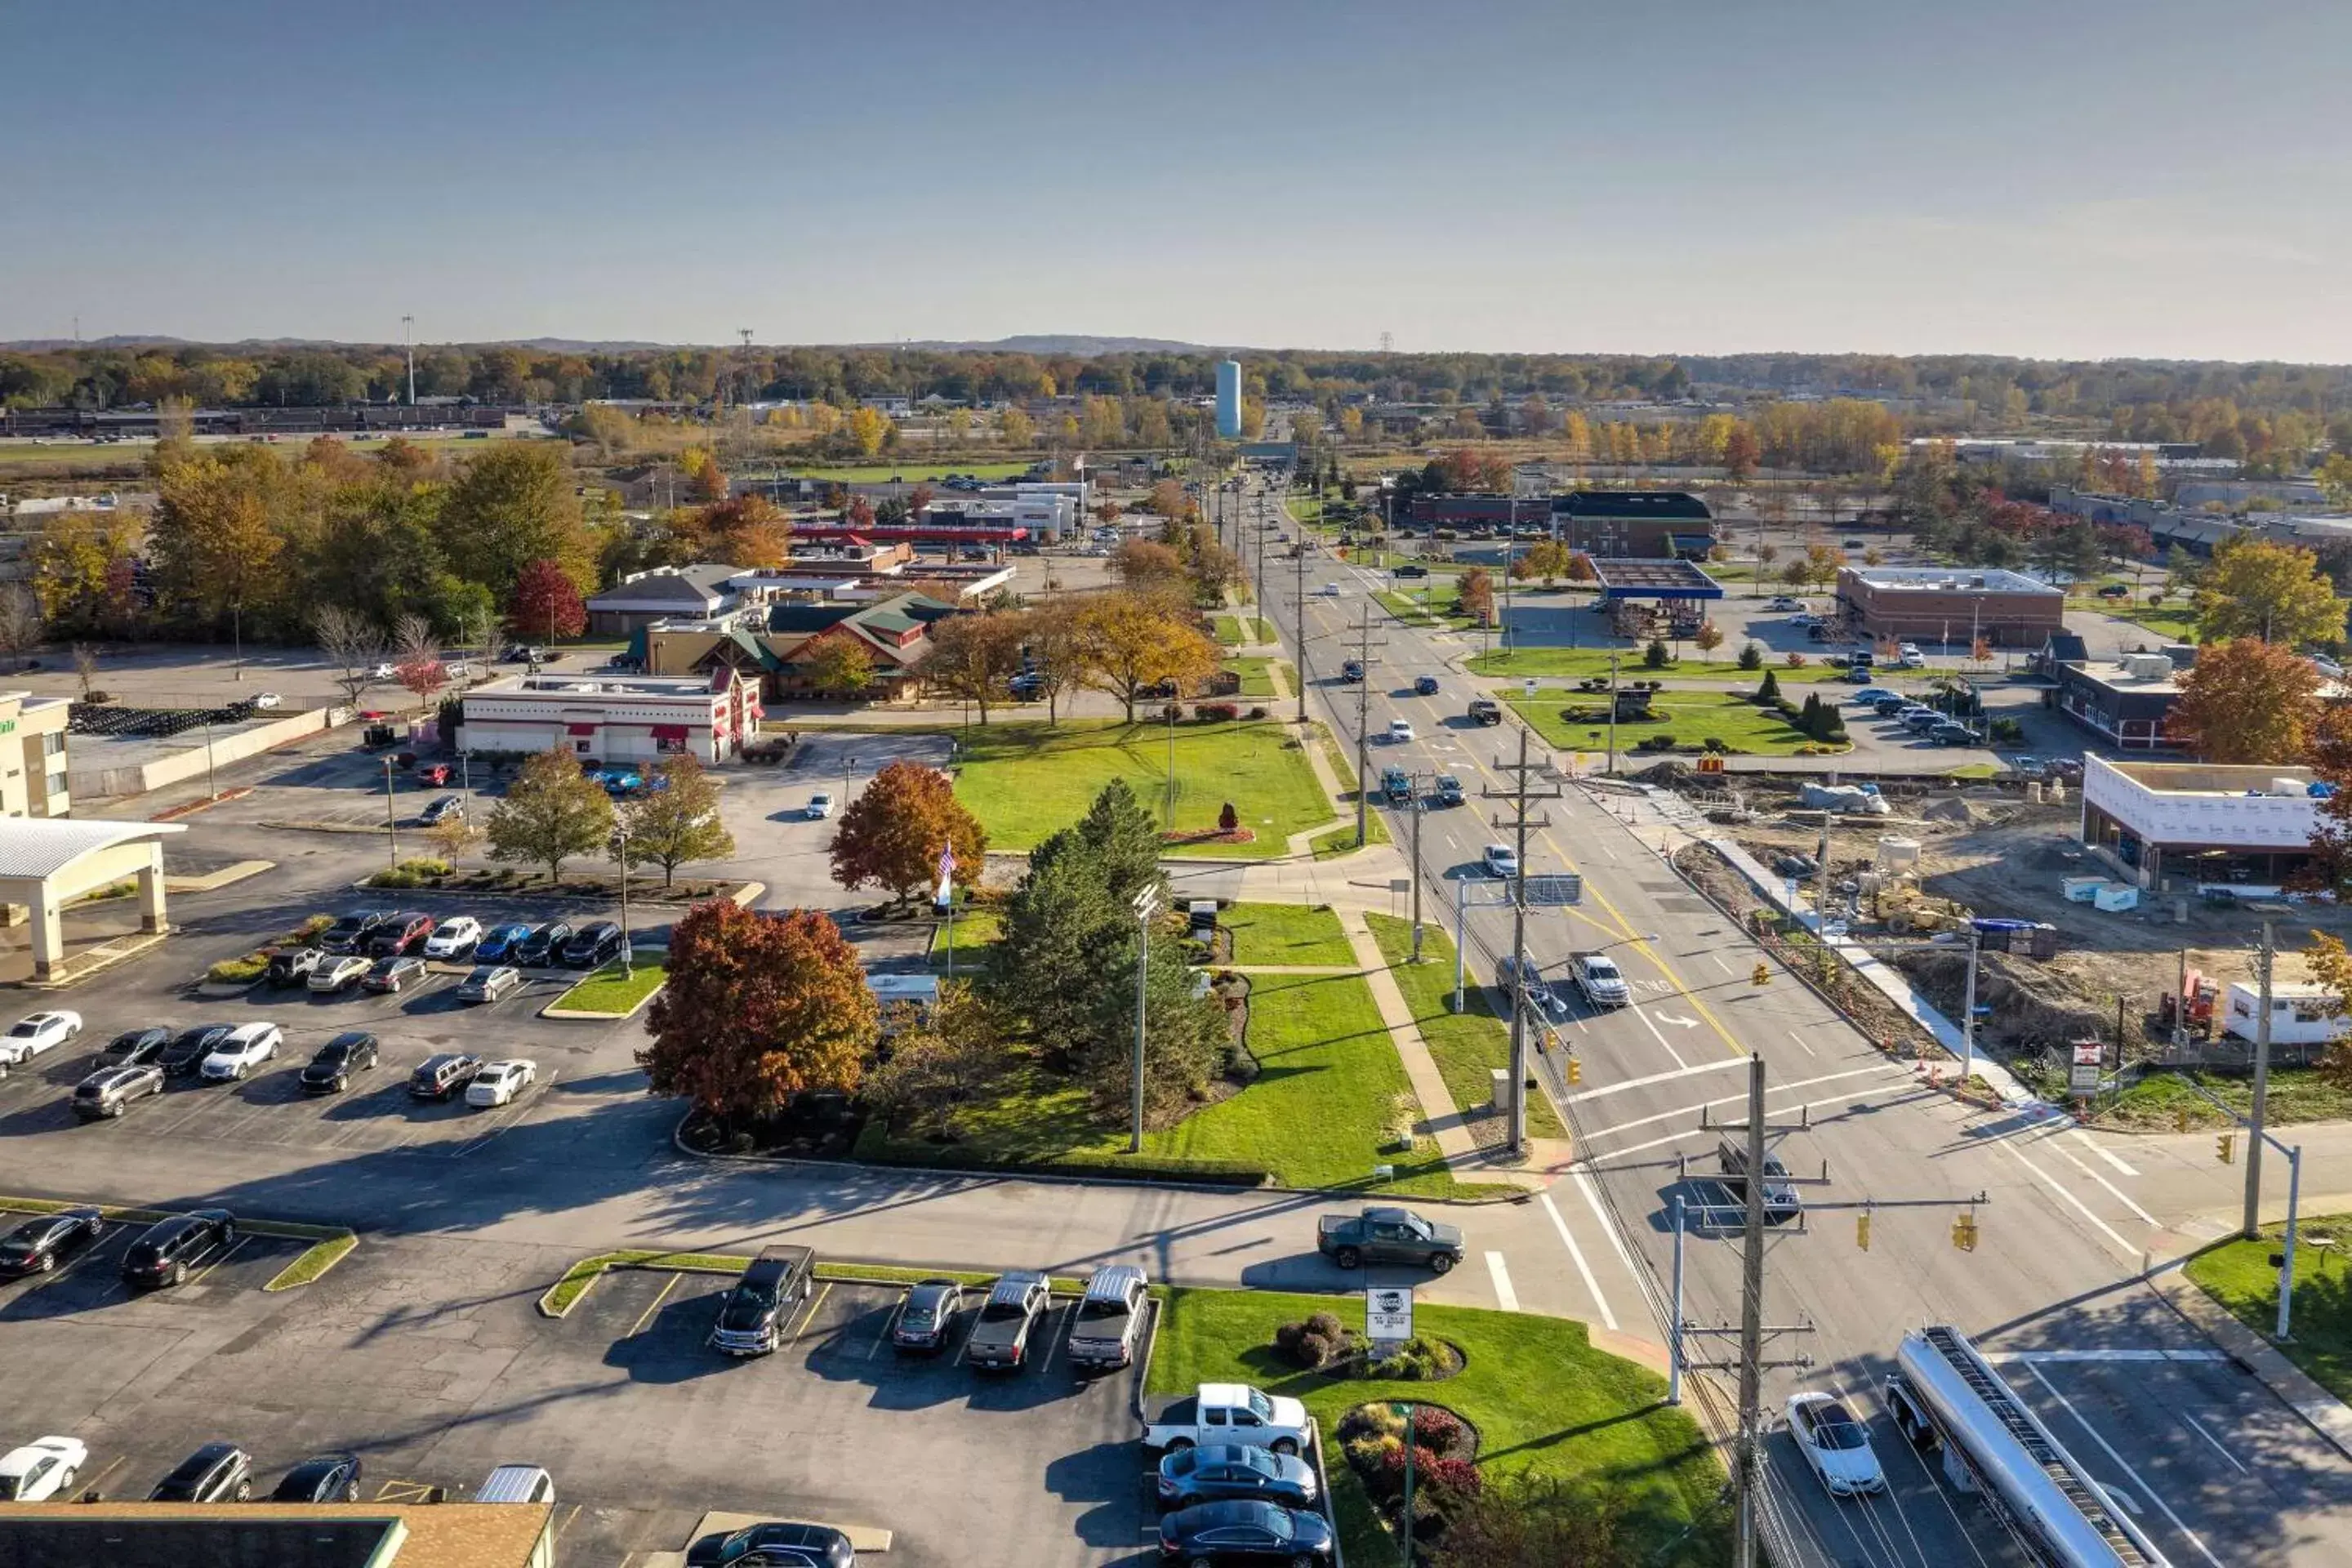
[2222, 821]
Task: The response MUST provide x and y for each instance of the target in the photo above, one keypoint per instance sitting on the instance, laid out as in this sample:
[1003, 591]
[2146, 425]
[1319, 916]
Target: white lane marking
[1661, 1038]
[1800, 1038]
[2198, 1427]
[2055, 1185]
[2113, 1191]
[2146, 1491]
[2103, 1151]
[1583, 1269]
[1717, 1066]
[2006, 1357]
[1507, 1298]
[1845, 1100]
[1735, 1098]
[1592, 1195]
[1721, 963]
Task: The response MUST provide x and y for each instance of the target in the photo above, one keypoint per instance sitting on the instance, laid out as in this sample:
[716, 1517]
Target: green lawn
[1341, 841]
[1288, 933]
[1469, 1045]
[1027, 781]
[976, 929]
[1256, 681]
[1414, 613]
[2238, 1274]
[2176, 622]
[1578, 663]
[1316, 1116]
[1690, 716]
[1544, 1402]
[608, 990]
[913, 473]
[2159, 1099]
[1235, 630]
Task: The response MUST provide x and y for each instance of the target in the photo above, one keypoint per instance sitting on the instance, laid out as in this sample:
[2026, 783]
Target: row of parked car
[397, 933]
[1931, 723]
[139, 1063]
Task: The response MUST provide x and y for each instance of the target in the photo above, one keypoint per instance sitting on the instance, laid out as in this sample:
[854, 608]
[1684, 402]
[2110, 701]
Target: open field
[1467, 1046]
[1027, 781]
[1590, 1417]
[1690, 716]
[913, 473]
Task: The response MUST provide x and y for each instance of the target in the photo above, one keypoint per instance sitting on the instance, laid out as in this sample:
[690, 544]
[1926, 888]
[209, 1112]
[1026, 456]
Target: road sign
[1527, 687]
[1388, 1313]
[2084, 1078]
[1555, 889]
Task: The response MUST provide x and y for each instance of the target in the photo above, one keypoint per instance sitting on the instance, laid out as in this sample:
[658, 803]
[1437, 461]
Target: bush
[238, 971]
[1664, 741]
[1374, 1421]
[1794, 660]
[1436, 1428]
[1311, 1343]
[1417, 1360]
[1258, 712]
[1655, 657]
[2007, 733]
[1228, 819]
[1714, 744]
[1327, 1324]
[1751, 656]
[1216, 712]
[1768, 689]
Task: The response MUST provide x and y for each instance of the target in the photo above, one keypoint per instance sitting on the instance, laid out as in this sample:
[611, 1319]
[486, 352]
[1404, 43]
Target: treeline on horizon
[2135, 399]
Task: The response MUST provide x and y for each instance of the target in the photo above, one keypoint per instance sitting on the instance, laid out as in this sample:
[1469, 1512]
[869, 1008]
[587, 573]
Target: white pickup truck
[1230, 1413]
[1598, 976]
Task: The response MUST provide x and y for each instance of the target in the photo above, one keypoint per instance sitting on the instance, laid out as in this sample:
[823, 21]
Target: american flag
[947, 872]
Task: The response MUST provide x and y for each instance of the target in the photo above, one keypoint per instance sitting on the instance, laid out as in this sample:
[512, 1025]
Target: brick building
[1950, 605]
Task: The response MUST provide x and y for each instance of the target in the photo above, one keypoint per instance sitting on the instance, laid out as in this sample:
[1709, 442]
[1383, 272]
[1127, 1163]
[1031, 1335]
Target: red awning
[580, 728]
[669, 731]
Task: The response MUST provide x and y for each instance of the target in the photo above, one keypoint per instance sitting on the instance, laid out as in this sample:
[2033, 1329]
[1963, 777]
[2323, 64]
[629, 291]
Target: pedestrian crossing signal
[2226, 1146]
[1861, 1231]
[1762, 974]
[1964, 1232]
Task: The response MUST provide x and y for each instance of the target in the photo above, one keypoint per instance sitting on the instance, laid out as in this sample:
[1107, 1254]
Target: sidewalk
[2327, 1414]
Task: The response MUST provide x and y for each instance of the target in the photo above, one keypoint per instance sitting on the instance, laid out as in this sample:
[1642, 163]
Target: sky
[2060, 178]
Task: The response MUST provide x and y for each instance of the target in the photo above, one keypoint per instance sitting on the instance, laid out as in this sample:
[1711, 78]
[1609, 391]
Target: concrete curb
[552, 1010]
[2290, 1384]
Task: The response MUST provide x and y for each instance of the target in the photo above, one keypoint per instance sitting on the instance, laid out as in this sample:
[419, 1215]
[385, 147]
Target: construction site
[2091, 957]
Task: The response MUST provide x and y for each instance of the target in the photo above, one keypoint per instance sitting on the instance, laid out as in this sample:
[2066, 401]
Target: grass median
[1690, 716]
[1545, 1403]
[1027, 780]
[610, 991]
[1467, 1046]
[1579, 663]
[1287, 935]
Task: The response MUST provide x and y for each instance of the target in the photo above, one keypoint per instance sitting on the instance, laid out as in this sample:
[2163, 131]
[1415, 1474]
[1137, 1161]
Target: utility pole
[1364, 651]
[1298, 556]
[1611, 768]
[2252, 1225]
[408, 343]
[1520, 822]
[1419, 810]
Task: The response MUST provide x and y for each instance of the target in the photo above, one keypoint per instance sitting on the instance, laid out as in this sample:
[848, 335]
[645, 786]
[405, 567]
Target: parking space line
[98, 1481]
[2145, 1491]
[646, 1315]
[1507, 1298]
[810, 1316]
[234, 1248]
[888, 1323]
[557, 1534]
[1577, 1254]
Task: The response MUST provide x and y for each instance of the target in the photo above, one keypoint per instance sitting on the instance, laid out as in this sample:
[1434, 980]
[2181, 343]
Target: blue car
[618, 783]
[498, 943]
[1872, 694]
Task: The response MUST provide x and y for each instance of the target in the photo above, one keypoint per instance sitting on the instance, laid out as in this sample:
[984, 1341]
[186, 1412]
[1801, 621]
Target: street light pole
[1146, 905]
[621, 854]
[391, 832]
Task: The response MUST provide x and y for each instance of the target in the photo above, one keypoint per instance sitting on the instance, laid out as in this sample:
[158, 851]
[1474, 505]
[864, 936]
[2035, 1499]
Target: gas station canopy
[1654, 579]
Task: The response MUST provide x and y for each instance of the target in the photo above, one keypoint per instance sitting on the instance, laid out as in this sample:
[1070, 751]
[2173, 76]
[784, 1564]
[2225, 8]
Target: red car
[398, 934]
[434, 774]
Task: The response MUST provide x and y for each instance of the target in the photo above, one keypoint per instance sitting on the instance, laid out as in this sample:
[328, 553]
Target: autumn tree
[552, 813]
[21, 626]
[1545, 559]
[1149, 568]
[974, 658]
[215, 542]
[891, 835]
[353, 645]
[2255, 587]
[757, 1009]
[939, 1062]
[416, 658]
[2245, 700]
[1132, 646]
[868, 428]
[1709, 636]
[546, 603]
[837, 666]
[1017, 429]
[675, 820]
[746, 530]
[513, 504]
[1476, 589]
[1168, 499]
[1056, 635]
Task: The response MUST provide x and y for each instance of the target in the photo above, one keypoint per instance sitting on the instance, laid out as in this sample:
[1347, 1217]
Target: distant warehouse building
[1634, 524]
[1950, 605]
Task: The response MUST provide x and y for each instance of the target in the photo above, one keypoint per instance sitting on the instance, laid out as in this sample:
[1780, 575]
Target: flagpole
[945, 901]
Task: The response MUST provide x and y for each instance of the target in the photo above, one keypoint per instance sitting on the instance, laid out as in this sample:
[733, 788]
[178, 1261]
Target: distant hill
[1077, 344]
[1074, 343]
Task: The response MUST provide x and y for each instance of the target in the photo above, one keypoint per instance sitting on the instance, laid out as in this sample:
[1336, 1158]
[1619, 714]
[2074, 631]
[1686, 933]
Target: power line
[1518, 795]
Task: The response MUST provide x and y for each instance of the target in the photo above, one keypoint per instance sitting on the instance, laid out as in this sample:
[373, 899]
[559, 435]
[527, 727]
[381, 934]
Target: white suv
[248, 1047]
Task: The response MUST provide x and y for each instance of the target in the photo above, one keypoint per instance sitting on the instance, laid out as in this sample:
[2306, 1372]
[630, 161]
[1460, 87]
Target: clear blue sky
[2059, 177]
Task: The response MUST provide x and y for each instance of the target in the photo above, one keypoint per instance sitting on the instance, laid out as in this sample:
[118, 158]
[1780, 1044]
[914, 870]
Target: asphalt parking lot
[429, 1359]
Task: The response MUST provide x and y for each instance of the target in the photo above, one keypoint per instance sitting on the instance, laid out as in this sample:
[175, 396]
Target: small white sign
[1388, 1313]
[2084, 1078]
[1528, 686]
[2089, 1053]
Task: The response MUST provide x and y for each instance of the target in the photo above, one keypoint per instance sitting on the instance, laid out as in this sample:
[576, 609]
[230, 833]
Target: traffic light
[2226, 1146]
[1862, 1230]
[1575, 1070]
[1762, 974]
[1964, 1231]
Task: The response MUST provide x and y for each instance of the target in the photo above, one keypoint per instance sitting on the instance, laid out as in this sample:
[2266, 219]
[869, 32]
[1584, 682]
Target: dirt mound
[2031, 1006]
[1951, 808]
[1669, 773]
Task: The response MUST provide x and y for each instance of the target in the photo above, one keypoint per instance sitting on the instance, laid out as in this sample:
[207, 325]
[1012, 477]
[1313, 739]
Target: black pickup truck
[1388, 1235]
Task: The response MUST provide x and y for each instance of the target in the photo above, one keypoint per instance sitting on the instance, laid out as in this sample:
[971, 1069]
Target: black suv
[217, 1472]
[172, 1247]
[188, 1050]
[542, 946]
[352, 932]
[999, 1339]
[752, 1319]
[329, 1478]
[1780, 1200]
[329, 1072]
[778, 1545]
[132, 1046]
[593, 946]
[443, 1074]
[45, 1241]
